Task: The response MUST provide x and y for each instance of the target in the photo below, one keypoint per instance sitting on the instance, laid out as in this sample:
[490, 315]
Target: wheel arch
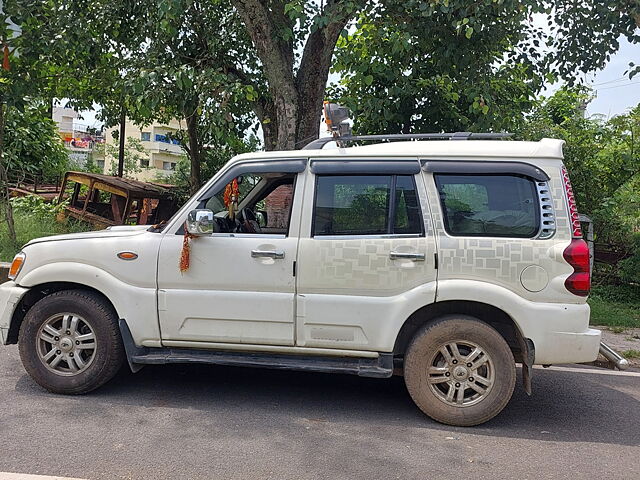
[487, 313]
[37, 293]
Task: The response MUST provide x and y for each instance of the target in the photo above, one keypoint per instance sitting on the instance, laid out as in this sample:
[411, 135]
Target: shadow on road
[566, 407]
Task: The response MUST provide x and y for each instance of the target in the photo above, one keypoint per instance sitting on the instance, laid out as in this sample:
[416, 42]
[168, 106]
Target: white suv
[443, 261]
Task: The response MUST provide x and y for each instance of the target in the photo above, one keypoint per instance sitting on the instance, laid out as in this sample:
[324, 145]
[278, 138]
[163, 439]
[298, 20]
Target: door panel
[353, 290]
[239, 287]
[227, 295]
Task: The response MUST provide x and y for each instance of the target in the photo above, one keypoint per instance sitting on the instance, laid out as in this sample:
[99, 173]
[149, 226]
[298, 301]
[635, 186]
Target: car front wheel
[70, 343]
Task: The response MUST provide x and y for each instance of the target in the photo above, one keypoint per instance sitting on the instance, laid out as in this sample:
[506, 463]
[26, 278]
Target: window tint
[246, 183]
[360, 205]
[407, 215]
[488, 205]
[266, 197]
[277, 206]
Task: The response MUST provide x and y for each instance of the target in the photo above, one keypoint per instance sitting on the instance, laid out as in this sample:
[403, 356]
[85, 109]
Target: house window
[144, 163]
[145, 136]
[168, 166]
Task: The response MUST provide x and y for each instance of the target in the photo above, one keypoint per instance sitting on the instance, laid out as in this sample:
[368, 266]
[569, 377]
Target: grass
[631, 353]
[616, 306]
[30, 226]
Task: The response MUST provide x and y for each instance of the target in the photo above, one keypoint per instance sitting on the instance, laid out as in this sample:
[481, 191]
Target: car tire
[70, 343]
[463, 388]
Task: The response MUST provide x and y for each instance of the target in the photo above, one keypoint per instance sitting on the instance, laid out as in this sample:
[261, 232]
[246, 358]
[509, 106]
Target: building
[81, 144]
[162, 149]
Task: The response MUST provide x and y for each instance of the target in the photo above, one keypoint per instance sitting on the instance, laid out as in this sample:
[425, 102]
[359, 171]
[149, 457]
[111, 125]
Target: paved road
[222, 422]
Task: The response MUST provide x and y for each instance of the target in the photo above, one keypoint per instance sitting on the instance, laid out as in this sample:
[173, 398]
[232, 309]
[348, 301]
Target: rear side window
[489, 205]
[366, 205]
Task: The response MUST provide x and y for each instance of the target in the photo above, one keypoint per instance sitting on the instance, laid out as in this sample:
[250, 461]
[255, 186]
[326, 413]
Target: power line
[621, 79]
[618, 86]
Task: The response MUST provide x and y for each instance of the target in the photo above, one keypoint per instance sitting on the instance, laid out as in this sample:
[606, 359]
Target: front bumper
[10, 295]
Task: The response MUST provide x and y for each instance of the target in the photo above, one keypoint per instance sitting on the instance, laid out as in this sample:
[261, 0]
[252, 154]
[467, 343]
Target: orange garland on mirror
[231, 194]
[185, 255]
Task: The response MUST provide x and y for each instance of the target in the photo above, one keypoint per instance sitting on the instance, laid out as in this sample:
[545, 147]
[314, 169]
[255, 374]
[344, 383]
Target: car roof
[441, 149]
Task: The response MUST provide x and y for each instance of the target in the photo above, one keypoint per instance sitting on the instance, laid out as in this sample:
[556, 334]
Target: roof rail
[321, 142]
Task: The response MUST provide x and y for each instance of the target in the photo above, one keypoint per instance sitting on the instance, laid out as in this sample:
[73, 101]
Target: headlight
[16, 265]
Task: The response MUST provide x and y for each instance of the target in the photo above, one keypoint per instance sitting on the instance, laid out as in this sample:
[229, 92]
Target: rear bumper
[10, 295]
[567, 347]
[560, 333]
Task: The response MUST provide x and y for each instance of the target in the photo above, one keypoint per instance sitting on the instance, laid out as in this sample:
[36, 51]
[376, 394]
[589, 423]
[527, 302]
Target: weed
[631, 353]
[35, 224]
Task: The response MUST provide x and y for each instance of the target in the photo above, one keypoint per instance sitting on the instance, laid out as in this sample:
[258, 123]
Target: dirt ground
[629, 339]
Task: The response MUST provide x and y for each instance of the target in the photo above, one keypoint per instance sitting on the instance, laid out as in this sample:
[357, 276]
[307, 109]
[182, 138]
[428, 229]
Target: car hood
[111, 232]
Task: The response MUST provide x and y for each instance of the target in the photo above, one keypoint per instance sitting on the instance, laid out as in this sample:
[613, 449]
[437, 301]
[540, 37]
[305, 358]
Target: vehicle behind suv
[446, 262]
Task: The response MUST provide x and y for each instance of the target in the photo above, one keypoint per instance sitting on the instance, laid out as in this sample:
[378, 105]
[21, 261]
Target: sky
[614, 92]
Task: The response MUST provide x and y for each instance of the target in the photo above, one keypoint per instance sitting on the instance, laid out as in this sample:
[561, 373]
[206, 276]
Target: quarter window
[366, 205]
[489, 205]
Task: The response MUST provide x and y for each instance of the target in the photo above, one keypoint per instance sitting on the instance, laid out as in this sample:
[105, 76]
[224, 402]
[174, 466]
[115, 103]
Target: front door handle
[416, 257]
[276, 254]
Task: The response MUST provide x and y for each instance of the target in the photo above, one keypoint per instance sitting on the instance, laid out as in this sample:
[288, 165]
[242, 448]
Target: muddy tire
[70, 343]
[459, 371]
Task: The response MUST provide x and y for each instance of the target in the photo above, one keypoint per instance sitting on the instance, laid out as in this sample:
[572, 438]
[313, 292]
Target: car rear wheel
[459, 371]
[70, 343]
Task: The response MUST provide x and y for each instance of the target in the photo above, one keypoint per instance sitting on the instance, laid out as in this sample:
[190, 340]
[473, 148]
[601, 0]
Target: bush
[34, 218]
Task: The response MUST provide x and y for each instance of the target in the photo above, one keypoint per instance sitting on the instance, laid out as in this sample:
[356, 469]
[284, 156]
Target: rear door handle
[276, 254]
[416, 257]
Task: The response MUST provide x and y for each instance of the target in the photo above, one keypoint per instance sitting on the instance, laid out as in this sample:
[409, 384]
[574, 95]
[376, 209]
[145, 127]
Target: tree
[32, 145]
[295, 84]
[603, 159]
[136, 158]
[397, 79]
[186, 69]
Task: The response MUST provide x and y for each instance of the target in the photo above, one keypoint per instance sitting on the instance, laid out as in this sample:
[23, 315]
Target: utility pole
[123, 121]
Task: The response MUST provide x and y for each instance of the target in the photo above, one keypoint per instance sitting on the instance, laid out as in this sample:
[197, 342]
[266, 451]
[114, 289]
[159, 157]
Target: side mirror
[261, 218]
[200, 222]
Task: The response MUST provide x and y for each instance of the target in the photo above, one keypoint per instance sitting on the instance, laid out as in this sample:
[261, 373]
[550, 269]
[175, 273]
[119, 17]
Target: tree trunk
[297, 97]
[194, 151]
[4, 183]
[312, 76]
[123, 122]
[265, 111]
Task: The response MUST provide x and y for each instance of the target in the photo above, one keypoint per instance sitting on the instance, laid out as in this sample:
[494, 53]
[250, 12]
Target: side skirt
[381, 367]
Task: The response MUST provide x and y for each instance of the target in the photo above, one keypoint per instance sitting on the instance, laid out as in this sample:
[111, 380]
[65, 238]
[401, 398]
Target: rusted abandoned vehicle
[35, 184]
[103, 200]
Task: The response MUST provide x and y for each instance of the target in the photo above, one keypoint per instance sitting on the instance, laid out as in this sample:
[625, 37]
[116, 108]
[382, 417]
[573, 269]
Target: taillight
[577, 255]
[574, 217]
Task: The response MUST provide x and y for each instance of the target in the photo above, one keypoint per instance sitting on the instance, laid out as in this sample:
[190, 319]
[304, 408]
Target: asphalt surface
[192, 422]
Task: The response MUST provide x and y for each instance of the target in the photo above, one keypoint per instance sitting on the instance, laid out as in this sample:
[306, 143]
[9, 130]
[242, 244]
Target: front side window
[366, 205]
[488, 205]
[254, 203]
